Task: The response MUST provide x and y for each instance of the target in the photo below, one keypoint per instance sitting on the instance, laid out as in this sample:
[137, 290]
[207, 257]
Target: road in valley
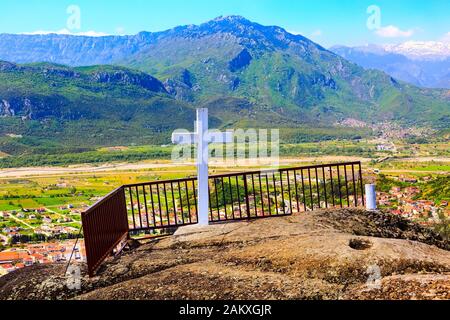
[21, 221]
[152, 165]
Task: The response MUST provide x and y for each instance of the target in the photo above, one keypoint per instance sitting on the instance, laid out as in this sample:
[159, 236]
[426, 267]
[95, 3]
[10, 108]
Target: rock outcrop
[241, 61]
[129, 78]
[343, 254]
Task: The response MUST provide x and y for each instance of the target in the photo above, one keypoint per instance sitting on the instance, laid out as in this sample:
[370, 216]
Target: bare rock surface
[329, 254]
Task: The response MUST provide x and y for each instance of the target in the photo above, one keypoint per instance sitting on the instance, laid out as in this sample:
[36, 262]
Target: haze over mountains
[249, 75]
[425, 64]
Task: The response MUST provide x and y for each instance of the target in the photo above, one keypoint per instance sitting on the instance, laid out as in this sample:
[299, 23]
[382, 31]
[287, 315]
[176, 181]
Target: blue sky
[327, 22]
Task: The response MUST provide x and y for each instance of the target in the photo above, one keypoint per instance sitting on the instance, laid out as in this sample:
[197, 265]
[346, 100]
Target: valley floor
[88, 169]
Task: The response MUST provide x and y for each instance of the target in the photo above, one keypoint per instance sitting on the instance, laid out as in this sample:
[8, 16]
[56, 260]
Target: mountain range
[425, 64]
[113, 90]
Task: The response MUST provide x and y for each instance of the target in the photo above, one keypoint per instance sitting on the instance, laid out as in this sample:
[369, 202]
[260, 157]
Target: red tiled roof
[37, 256]
[12, 256]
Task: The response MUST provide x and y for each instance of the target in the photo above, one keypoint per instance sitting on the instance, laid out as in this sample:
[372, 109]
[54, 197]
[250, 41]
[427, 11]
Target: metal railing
[262, 194]
[105, 225]
[138, 208]
[161, 204]
[237, 196]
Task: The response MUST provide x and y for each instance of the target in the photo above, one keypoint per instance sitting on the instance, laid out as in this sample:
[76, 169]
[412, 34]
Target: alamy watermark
[73, 278]
[374, 20]
[74, 19]
[374, 280]
[248, 147]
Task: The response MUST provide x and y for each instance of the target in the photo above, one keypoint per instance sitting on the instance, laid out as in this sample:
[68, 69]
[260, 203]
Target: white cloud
[393, 32]
[68, 32]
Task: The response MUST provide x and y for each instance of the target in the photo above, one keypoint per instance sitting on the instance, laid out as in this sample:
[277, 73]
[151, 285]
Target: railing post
[124, 209]
[361, 183]
[247, 202]
[371, 197]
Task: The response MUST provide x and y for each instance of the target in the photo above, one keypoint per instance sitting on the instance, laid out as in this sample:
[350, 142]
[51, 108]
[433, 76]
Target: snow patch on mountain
[421, 50]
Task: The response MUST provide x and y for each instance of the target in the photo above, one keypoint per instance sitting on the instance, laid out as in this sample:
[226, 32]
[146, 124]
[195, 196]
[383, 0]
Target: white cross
[202, 137]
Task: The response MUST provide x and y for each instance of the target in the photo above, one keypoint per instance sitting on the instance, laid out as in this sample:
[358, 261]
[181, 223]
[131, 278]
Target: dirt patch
[405, 287]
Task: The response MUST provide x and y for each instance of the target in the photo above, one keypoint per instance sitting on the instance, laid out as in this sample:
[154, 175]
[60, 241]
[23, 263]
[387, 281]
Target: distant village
[404, 202]
[39, 236]
[42, 253]
[41, 221]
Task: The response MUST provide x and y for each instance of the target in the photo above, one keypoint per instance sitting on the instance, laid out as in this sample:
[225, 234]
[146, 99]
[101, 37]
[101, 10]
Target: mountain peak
[231, 18]
[234, 21]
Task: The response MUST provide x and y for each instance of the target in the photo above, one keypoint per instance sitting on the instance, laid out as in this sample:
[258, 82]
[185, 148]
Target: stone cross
[202, 137]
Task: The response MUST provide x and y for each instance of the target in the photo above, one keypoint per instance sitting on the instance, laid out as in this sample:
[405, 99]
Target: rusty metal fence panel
[105, 225]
